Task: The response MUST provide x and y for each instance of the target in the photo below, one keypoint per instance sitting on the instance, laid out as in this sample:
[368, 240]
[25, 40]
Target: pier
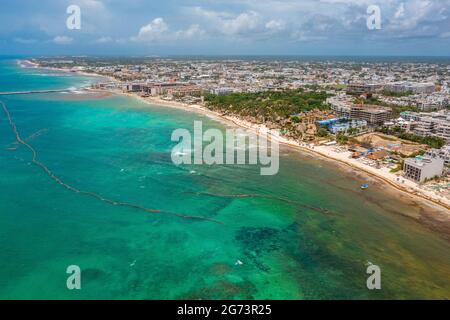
[32, 92]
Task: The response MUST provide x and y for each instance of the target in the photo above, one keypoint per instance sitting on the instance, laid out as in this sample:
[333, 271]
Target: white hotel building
[420, 169]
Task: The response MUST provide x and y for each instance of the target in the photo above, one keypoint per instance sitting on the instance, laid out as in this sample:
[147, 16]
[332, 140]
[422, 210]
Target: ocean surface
[307, 233]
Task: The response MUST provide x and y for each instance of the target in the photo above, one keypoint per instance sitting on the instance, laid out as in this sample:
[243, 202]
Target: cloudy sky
[226, 27]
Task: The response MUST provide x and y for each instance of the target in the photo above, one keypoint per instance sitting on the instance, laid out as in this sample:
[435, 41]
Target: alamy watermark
[374, 280]
[74, 280]
[374, 18]
[73, 22]
[238, 147]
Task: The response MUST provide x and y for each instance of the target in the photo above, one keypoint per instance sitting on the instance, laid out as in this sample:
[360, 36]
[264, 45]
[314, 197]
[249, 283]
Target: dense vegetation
[397, 110]
[268, 105]
[434, 142]
[341, 138]
[396, 94]
[323, 133]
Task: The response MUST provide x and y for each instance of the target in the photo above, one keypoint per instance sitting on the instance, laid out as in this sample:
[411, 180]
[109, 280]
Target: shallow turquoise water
[291, 248]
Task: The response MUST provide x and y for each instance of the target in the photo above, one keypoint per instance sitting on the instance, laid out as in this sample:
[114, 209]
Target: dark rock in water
[223, 290]
[259, 239]
[92, 274]
[220, 268]
[256, 242]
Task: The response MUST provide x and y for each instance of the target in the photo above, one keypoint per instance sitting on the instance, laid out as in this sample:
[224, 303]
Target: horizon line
[217, 55]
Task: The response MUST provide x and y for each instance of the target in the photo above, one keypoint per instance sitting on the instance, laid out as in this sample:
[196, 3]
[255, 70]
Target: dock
[32, 92]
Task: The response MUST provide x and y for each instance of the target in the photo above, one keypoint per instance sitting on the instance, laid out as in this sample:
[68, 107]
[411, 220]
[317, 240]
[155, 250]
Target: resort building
[401, 123]
[409, 116]
[155, 89]
[340, 103]
[359, 89]
[425, 127]
[435, 124]
[341, 110]
[422, 168]
[443, 153]
[360, 125]
[372, 114]
[221, 91]
[133, 87]
[432, 102]
[443, 130]
[415, 88]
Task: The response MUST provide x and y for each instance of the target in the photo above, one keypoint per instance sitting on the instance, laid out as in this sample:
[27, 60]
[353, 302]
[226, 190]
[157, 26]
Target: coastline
[35, 65]
[408, 188]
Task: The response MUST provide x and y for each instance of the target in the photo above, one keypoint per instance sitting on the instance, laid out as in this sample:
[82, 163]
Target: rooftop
[422, 161]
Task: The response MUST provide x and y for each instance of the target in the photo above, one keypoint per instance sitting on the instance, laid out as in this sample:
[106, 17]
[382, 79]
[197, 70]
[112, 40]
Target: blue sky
[225, 27]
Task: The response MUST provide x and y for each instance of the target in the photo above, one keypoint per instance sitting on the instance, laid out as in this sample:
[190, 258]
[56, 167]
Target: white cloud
[92, 4]
[193, 32]
[158, 30]
[400, 11]
[104, 40]
[231, 24]
[243, 23]
[419, 18]
[153, 31]
[62, 40]
[275, 25]
[400, 18]
[25, 41]
[121, 41]
[245, 20]
[304, 36]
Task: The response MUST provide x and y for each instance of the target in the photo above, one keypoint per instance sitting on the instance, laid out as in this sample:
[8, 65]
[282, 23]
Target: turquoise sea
[307, 233]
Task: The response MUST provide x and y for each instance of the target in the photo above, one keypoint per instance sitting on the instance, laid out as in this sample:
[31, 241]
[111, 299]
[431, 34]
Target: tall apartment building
[430, 124]
[425, 126]
[340, 104]
[443, 129]
[374, 115]
[341, 111]
[443, 153]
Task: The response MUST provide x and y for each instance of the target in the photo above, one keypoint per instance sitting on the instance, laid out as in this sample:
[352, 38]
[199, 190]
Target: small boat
[364, 186]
